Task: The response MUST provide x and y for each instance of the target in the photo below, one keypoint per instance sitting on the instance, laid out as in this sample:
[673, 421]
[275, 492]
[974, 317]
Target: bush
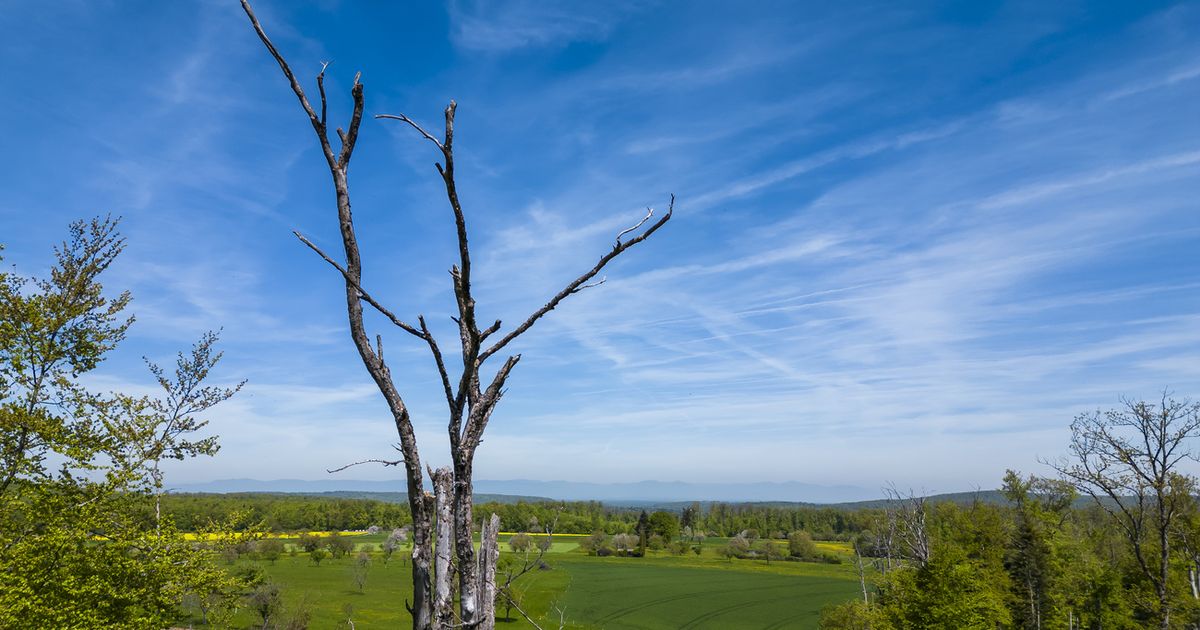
[520, 543]
[737, 547]
[800, 545]
[308, 542]
[269, 549]
[339, 545]
[267, 602]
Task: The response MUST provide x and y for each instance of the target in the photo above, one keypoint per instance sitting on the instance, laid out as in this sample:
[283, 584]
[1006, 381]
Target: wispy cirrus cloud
[486, 26]
[885, 249]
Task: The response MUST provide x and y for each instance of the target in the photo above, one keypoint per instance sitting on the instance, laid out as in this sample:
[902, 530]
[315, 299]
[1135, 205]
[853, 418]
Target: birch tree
[470, 402]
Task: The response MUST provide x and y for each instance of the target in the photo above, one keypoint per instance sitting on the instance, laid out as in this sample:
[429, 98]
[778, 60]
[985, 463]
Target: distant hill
[364, 495]
[637, 493]
[612, 495]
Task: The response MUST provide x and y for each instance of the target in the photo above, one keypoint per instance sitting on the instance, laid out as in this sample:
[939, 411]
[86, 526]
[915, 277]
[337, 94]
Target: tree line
[280, 512]
[1129, 557]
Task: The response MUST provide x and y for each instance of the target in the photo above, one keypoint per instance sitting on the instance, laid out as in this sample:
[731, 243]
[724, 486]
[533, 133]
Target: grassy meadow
[657, 591]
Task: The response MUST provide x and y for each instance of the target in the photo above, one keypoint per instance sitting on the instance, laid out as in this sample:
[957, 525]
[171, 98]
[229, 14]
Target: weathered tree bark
[470, 405]
[443, 591]
[468, 575]
[489, 554]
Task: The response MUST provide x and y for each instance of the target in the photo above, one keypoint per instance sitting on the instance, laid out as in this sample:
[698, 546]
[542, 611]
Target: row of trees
[291, 512]
[284, 512]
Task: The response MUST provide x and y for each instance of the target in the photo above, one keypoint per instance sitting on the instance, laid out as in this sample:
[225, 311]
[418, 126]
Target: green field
[659, 591]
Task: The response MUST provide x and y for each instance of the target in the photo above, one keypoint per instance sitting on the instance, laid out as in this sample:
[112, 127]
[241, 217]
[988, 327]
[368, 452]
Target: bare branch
[437, 358]
[649, 213]
[317, 123]
[385, 462]
[351, 136]
[481, 412]
[490, 330]
[590, 285]
[362, 292]
[575, 285]
[321, 89]
[401, 117]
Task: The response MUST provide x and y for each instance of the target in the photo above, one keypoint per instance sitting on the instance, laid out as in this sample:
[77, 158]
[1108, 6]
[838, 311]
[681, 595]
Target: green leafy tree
[520, 543]
[269, 549]
[800, 545]
[664, 524]
[79, 470]
[338, 545]
[308, 542]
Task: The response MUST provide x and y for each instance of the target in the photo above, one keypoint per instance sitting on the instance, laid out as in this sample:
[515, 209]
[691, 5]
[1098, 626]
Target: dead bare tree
[906, 513]
[470, 405]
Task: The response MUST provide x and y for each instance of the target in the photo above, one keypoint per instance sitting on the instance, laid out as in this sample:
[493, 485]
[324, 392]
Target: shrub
[308, 542]
[269, 549]
[800, 545]
[339, 545]
[520, 543]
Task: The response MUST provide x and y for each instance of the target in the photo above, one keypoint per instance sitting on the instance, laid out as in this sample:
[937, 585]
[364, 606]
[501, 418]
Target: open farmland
[658, 591]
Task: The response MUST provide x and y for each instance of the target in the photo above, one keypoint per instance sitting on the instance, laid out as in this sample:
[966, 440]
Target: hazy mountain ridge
[643, 492]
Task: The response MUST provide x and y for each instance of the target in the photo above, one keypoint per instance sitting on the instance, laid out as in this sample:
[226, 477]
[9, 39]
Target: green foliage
[338, 545]
[664, 524]
[520, 543]
[270, 549]
[800, 545]
[81, 545]
[853, 615]
[951, 592]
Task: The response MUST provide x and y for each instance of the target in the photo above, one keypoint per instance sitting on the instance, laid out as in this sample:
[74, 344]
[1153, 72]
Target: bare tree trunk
[422, 558]
[489, 554]
[443, 586]
[470, 603]
[862, 574]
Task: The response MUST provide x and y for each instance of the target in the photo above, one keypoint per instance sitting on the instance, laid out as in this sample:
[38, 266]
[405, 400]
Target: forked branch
[579, 283]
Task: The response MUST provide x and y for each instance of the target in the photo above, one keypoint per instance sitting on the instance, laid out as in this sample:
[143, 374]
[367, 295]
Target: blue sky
[911, 242]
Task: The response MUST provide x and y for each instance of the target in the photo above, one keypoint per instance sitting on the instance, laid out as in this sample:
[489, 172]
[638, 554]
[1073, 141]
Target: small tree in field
[520, 543]
[267, 602]
[358, 571]
[800, 545]
[338, 545]
[471, 398]
[394, 541]
[269, 549]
